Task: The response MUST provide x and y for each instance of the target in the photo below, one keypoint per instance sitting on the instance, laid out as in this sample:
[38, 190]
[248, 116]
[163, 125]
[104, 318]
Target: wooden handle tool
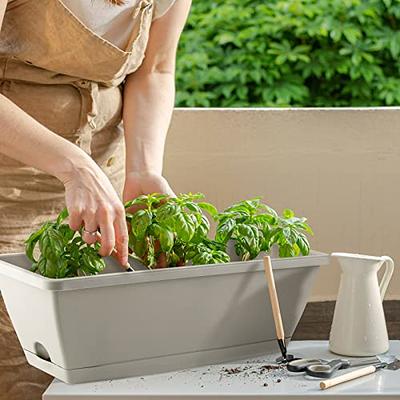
[349, 376]
[276, 312]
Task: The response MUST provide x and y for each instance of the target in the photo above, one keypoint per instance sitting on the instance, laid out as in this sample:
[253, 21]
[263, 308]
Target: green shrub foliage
[240, 53]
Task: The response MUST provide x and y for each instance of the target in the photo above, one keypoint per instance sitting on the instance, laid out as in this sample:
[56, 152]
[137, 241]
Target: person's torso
[112, 22]
[63, 73]
[46, 34]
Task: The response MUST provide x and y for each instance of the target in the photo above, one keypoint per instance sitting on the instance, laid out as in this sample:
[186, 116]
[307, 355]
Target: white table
[246, 382]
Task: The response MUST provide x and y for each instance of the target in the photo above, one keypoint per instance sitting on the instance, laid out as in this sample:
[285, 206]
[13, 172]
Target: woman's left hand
[138, 183]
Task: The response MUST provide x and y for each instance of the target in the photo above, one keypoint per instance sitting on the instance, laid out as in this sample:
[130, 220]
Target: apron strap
[89, 92]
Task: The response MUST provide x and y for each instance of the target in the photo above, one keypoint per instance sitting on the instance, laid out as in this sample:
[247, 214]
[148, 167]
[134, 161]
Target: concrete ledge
[340, 167]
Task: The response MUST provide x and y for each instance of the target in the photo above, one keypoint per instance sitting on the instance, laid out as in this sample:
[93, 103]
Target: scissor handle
[326, 370]
[301, 364]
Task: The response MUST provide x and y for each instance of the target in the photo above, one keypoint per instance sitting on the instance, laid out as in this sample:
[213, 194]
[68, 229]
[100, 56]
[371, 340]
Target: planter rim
[9, 270]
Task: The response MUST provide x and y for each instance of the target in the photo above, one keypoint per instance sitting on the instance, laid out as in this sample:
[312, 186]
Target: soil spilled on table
[256, 373]
[232, 377]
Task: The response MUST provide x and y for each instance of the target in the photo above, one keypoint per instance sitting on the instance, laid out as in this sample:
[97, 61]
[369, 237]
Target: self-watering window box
[121, 324]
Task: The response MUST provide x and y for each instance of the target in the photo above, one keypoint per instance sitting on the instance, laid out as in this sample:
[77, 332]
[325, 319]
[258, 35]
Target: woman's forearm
[148, 105]
[90, 198]
[150, 93]
[26, 140]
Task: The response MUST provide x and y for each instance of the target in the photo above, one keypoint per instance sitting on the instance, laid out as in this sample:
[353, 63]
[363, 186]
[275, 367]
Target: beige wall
[339, 167]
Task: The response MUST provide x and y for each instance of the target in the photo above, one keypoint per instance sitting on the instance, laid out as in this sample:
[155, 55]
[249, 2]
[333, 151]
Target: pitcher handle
[389, 267]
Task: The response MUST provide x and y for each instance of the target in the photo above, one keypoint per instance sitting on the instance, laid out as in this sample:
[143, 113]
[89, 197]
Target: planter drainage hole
[41, 351]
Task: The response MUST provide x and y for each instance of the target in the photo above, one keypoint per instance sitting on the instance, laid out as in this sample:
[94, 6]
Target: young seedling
[290, 234]
[255, 227]
[172, 230]
[62, 251]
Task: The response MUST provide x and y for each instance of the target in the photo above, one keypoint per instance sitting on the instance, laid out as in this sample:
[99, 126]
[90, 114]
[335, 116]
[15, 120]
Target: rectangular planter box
[121, 324]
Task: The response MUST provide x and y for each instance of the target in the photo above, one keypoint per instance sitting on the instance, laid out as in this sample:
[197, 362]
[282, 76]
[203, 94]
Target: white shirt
[113, 23]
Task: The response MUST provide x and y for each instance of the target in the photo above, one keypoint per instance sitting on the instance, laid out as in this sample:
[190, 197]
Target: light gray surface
[129, 324]
[211, 382]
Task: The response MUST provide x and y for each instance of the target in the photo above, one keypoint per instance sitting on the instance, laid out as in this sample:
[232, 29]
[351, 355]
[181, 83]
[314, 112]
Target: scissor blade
[386, 358]
[393, 366]
[366, 361]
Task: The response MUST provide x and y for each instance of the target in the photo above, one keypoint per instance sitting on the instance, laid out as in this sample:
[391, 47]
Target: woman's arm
[90, 197]
[20, 134]
[91, 200]
[148, 104]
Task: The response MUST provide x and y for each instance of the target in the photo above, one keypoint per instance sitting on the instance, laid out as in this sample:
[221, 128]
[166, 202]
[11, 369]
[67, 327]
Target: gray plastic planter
[123, 324]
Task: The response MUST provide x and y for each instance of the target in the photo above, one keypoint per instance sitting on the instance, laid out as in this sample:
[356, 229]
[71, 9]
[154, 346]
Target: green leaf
[139, 246]
[32, 240]
[140, 222]
[139, 201]
[287, 213]
[303, 245]
[193, 207]
[41, 266]
[166, 239]
[224, 230]
[201, 230]
[167, 212]
[208, 208]
[62, 216]
[184, 226]
[51, 244]
[286, 251]
[352, 34]
[90, 263]
[62, 268]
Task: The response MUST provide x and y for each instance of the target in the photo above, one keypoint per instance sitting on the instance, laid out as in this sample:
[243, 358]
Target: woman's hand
[138, 183]
[93, 203]
[90, 198]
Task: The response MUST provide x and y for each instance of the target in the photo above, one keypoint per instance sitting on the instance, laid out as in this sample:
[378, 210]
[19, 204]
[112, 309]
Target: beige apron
[69, 79]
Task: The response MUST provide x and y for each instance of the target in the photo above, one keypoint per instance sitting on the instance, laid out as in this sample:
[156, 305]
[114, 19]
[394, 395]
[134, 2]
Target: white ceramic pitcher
[359, 327]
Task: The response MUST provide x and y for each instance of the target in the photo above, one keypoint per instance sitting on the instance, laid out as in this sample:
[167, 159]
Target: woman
[70, 70]
[61, 84]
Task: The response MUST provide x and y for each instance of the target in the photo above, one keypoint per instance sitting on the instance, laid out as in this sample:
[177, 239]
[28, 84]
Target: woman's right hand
[93, 203]
[90, 197]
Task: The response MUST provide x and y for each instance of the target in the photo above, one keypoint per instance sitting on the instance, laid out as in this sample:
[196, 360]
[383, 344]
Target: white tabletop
[242, 379]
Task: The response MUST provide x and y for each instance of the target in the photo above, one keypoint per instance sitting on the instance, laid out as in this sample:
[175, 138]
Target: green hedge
[239, 53]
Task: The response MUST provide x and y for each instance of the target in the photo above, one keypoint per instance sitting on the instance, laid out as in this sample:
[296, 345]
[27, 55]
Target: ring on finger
[92, 233]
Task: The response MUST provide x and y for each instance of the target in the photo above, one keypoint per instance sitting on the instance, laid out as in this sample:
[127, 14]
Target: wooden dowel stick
[276, 312]
[349, 376]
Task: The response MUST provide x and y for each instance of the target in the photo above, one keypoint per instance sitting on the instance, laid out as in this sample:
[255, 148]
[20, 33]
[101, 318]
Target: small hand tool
[328, 369]
[280, 334]
[394, 365]
[325, 368]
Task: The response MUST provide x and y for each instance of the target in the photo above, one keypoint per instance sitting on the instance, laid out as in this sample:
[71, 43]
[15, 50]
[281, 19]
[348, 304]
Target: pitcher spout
[358, 263]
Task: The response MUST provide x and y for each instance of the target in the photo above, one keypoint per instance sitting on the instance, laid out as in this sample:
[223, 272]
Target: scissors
[321, 368]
